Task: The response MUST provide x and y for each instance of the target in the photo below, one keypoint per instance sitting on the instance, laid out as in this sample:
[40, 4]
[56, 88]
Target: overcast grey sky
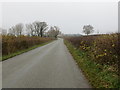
[69, 16]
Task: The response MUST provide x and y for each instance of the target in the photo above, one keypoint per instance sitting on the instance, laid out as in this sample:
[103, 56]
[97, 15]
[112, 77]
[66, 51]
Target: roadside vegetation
[20, 39]
[12, 46]
[97, 56]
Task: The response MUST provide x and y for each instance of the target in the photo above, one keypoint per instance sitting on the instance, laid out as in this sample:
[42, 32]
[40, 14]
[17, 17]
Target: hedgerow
[12, 44]
[103, 49]
[97, 56]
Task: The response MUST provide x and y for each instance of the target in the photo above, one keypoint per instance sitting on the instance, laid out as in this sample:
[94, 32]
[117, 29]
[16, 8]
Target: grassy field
[101, 72]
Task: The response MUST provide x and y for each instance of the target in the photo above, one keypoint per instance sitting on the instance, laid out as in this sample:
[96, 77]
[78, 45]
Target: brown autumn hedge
[103, 49]
[12, 44]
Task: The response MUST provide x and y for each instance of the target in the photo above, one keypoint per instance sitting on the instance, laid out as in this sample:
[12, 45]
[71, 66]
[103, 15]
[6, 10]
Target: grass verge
[99, 76]
[21, 51]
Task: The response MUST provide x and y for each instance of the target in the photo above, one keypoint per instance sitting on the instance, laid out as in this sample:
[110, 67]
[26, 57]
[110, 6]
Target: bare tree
[16, 30]
[51, 32]
[19, 29]
[30, 29]
[43, 28]
[54, 32]
[87, 29]
[40, 28]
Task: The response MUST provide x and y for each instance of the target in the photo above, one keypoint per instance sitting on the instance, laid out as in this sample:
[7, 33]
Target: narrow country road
[49, 66]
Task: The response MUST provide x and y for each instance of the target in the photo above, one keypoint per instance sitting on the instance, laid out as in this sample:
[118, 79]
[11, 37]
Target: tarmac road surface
[49, 66]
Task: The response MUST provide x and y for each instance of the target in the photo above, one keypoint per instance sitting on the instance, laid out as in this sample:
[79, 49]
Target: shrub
[12, 44]
[103, 49]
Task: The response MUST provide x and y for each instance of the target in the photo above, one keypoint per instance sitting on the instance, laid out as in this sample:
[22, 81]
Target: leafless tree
[87, 29]
[30, 29]
[19, 29]
[16, 30]
[54, 32]
[40, 28]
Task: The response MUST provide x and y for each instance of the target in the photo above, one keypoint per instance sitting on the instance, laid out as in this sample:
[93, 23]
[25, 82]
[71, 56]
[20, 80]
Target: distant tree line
[40, 29]
[36, 28]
